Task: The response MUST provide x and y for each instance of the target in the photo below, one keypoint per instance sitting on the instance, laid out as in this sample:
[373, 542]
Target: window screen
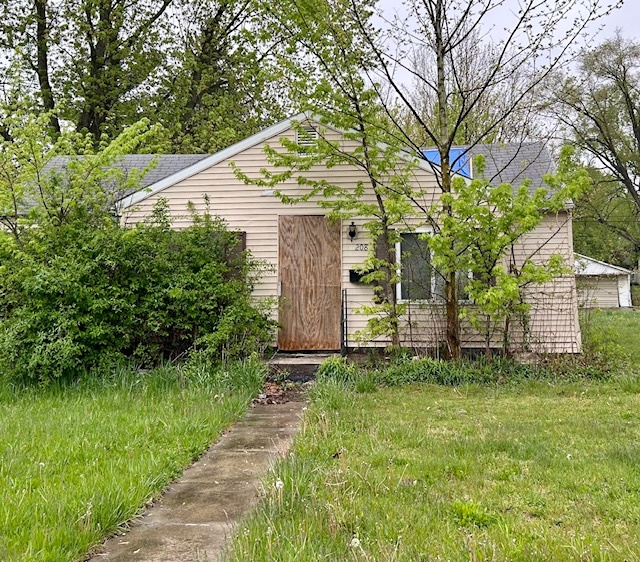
[417, 274]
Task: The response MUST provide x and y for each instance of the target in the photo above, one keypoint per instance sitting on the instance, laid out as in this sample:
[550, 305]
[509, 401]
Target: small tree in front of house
[328, 75]
[479, 225]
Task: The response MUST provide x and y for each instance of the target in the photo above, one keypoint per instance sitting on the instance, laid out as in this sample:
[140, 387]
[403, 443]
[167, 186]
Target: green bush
[75, 296]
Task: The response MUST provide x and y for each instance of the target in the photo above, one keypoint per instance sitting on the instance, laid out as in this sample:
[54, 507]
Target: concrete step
[297, 367]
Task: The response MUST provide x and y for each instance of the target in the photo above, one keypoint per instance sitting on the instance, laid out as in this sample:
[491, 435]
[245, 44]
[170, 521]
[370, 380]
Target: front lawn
[78, 461]
[527, 471]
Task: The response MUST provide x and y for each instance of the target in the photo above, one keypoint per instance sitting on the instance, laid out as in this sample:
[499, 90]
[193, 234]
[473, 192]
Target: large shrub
[76, 295]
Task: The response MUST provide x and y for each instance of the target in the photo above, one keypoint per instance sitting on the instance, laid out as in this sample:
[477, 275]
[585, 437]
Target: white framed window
[419, 280]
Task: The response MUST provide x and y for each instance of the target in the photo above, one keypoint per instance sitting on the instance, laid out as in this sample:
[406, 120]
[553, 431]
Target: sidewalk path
[194, 518]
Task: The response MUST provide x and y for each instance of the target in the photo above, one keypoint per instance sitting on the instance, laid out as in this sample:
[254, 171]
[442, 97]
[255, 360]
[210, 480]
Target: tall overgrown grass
[80, 459]
[421, 459]
[406, 370]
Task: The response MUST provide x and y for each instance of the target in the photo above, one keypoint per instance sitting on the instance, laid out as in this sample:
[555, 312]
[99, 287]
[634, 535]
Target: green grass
[618, 327]
[77, 462]
[528, 471]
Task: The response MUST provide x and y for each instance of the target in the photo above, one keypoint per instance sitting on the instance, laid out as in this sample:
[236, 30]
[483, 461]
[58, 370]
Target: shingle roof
[166, 165]
[504, 163]
[509, 162]
[514, 162]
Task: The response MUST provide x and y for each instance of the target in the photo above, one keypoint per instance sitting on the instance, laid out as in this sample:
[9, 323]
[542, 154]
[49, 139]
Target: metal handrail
[344, 333]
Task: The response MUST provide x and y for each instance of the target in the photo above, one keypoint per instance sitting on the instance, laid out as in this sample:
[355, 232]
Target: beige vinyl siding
[598, 291]
[554, 325]
[247, 208]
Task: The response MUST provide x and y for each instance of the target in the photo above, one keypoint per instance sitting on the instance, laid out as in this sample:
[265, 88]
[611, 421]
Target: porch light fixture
[352, 231]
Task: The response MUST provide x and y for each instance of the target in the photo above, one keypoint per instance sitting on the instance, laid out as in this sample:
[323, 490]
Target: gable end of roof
[212, 160]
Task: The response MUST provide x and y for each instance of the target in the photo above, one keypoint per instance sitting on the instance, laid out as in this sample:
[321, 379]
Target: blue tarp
[460, 163]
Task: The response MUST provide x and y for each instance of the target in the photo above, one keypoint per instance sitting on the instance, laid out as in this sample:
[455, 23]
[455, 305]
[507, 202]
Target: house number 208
[362, 247]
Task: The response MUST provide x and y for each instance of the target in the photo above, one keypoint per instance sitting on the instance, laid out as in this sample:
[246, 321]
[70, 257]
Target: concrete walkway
[195, 517]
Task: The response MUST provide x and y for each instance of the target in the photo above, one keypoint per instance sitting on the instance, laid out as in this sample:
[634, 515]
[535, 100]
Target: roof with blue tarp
[504, 162]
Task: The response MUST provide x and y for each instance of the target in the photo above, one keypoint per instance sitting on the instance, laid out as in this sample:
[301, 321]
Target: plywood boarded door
[309, 268]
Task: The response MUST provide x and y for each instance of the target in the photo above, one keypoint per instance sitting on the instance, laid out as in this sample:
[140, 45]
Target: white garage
[600, 284]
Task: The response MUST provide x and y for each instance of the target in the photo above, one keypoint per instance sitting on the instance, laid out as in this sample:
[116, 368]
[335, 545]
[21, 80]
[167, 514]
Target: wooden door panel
[310, 277]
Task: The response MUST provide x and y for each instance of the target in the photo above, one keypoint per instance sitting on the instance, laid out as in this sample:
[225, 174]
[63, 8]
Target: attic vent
[306, 136]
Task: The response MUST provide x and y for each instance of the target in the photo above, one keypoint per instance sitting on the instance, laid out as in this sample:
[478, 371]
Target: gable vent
[306, 136]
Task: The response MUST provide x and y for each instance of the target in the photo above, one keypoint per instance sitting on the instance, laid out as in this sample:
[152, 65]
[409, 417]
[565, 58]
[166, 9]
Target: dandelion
[279, 488]
[41, 465]
[355, 542]
[569, 456]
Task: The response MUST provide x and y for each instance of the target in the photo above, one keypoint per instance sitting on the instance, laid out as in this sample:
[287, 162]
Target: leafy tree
[479, 233]
[33, 191]
[499, 115]
[601, 213]
[200, 69]
[600, 108]
[90, 58]
[223, 88]
[326, 80]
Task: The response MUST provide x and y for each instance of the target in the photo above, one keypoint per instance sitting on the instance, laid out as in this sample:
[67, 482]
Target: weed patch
[78, 460]
[406, 370]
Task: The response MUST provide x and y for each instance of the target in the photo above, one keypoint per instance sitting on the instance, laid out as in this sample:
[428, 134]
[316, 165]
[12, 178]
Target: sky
[626, 18]
[498, 23]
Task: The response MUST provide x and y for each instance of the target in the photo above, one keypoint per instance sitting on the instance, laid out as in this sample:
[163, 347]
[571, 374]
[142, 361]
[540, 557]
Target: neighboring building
[601, 285]
[313, 261]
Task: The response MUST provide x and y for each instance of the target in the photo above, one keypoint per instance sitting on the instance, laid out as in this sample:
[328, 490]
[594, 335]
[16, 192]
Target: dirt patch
[281, 392]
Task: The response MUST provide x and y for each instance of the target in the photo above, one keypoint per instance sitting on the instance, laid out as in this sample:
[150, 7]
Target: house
[314, 262]
[600, 284]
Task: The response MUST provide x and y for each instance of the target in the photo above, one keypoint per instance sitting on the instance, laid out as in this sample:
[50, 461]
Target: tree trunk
[385, 251]
[454, 350]
[42, 65]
